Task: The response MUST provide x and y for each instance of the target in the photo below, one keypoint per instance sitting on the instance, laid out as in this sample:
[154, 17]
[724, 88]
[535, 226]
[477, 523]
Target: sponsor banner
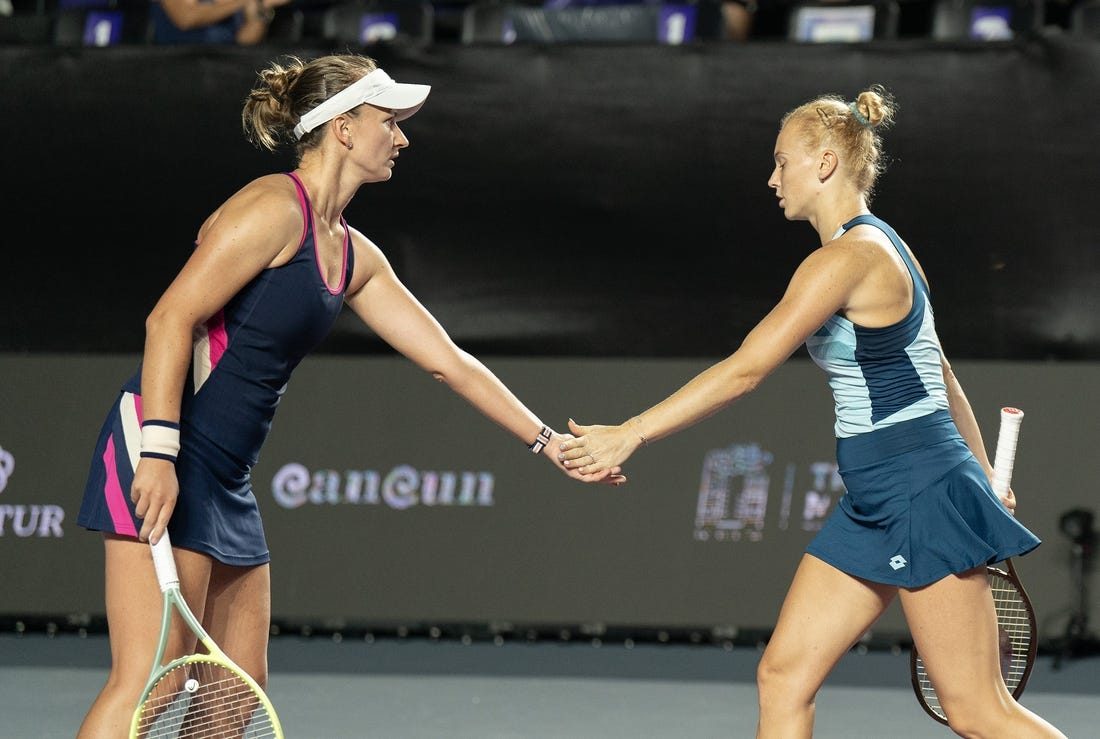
[26, 521]
[387, 499]
[402, 487]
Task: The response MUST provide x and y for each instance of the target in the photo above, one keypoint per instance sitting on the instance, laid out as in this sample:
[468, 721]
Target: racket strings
[928, 691]
[1015, 625]
[194, 719]
[200, 700]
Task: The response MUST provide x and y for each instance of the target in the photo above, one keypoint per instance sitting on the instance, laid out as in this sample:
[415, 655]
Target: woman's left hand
[1009, 500]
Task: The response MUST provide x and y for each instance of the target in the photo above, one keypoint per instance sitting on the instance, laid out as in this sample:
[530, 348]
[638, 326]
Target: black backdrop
[572, 201]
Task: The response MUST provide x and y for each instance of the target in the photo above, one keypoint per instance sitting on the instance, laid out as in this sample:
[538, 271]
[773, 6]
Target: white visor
[376, 88]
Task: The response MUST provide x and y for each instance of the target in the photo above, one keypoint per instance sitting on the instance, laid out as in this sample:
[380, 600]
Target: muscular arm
[820, 287]
[963, 415]
[242, 238]
[392, 312]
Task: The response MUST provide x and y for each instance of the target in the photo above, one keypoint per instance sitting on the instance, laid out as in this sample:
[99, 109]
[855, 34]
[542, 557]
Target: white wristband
[160, 440]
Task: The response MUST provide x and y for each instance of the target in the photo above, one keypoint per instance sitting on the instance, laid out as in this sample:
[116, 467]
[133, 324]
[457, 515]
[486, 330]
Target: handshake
[592, 453]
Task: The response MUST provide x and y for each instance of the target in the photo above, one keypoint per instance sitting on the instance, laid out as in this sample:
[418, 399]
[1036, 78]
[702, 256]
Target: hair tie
[859, 116]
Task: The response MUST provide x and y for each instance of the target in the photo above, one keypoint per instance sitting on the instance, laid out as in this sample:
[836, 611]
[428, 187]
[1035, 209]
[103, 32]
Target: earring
[349, 144]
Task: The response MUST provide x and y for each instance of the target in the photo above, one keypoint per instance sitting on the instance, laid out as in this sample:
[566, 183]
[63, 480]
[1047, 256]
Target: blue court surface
[419, 688]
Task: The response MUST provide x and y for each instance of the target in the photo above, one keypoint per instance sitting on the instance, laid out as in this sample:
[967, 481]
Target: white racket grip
[165, 563]
[1005, 457]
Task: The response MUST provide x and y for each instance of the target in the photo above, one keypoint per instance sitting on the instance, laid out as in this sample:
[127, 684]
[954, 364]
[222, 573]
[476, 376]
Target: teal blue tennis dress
[918, 505]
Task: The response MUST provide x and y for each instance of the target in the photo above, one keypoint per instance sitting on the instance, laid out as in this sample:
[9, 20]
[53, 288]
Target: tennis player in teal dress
[918, 505]
[919, 519]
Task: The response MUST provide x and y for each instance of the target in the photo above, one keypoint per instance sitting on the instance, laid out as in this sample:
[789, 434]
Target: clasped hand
[593, 450]
[556, 450]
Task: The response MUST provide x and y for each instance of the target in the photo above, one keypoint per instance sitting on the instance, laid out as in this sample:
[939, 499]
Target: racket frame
[1004, 461]
[919, 674]
[165, 565]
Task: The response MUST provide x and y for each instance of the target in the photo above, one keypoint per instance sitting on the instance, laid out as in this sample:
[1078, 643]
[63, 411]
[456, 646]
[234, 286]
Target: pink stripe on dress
[116, 500]
[219, 340]
[211, 342]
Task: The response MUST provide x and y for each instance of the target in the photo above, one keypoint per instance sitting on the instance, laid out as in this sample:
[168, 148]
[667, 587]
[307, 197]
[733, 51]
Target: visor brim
[403, 99]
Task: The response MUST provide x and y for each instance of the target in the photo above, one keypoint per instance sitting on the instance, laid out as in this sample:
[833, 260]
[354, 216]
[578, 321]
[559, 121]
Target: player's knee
[126, 684]
[963, 725]
[778, 684]
[114, 704]
[769, 675]
[974, 719]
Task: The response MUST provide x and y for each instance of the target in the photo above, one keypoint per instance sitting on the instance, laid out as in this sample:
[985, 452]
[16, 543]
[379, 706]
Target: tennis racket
[1015, 616]
[199, 695]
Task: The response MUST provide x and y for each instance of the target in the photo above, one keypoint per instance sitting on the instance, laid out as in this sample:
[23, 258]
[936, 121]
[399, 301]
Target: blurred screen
[840, 24]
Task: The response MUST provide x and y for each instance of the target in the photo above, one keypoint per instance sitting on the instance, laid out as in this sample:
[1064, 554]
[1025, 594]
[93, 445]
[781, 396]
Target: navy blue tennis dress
[242, 359]
[918, 505]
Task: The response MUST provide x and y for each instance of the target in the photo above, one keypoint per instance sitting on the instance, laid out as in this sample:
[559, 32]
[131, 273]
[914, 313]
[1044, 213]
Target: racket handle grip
[165, 563]
[1005, 457]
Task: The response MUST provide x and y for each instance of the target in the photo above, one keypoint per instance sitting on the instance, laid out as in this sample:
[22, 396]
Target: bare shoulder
[275, 191]
[840, 272]
[883, 293]
[271, 199]
[846, 255]
[866, 250]
[862, 242]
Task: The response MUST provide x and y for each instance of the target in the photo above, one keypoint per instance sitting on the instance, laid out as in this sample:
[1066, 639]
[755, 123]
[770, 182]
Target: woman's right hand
[597, 448]
[608, 476]
[154, 495]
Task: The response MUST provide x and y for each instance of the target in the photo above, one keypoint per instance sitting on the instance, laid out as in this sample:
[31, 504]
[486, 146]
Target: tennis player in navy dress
[919, 520]
[242, 359]
[270, 271]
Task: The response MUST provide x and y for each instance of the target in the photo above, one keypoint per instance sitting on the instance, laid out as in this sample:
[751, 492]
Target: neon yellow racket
[199, 695]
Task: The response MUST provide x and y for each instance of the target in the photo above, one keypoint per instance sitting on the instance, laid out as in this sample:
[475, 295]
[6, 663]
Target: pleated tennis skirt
[918, 507]
[216, 512]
